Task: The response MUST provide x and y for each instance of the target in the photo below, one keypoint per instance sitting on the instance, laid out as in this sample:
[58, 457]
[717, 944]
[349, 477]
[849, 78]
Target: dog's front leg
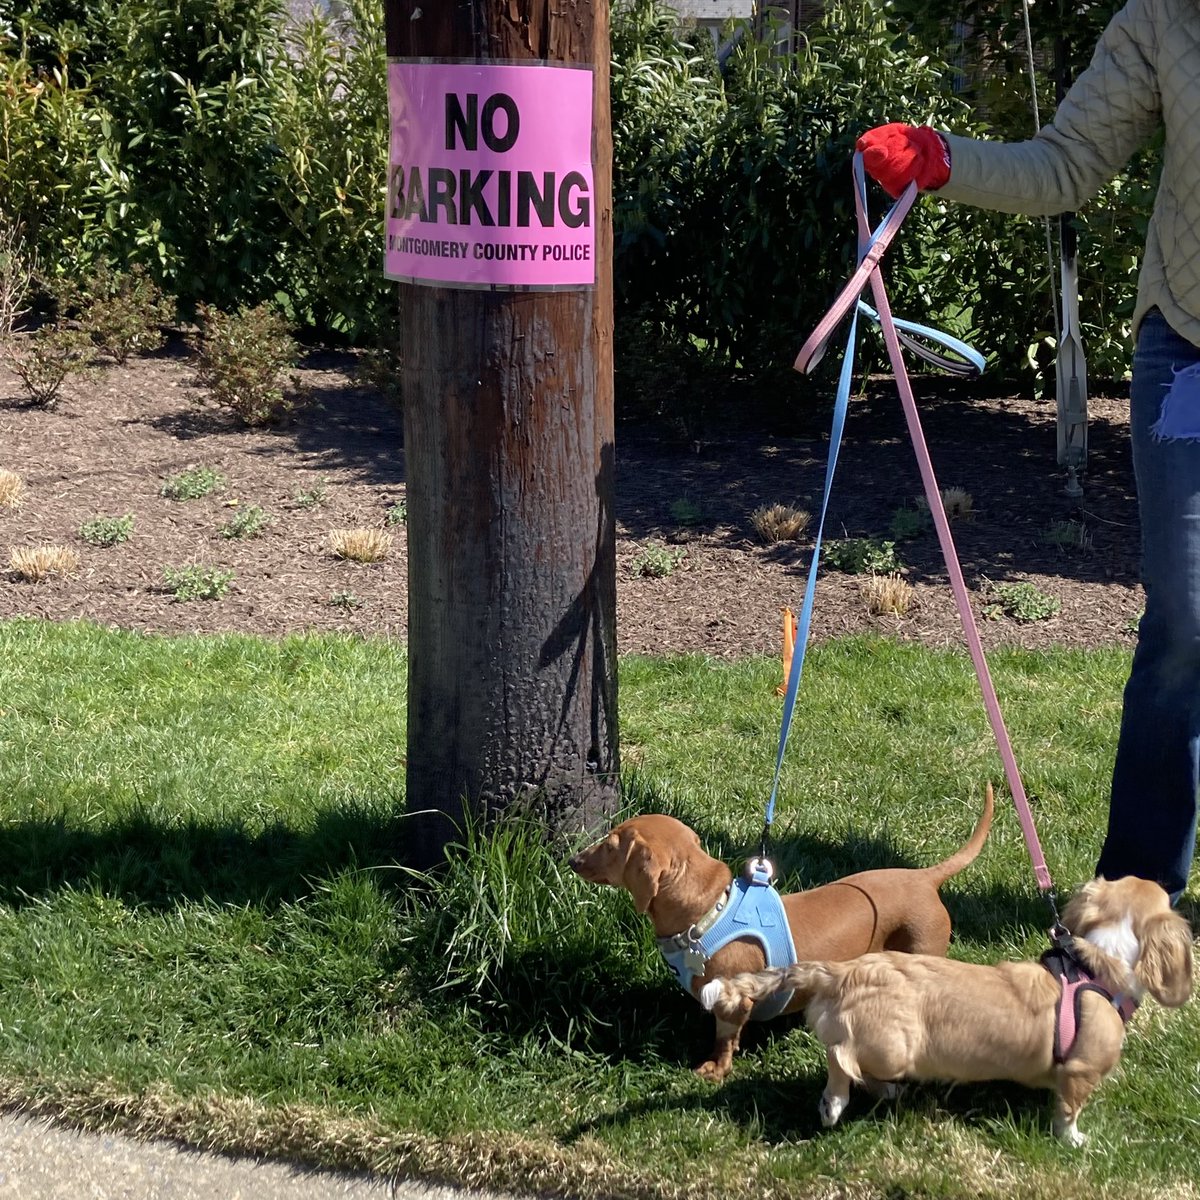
[720, 1063]
[1074, 1088]
[837, 1091]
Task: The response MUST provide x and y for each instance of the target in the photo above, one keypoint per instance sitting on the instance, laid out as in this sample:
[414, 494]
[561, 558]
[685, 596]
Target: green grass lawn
[204, 931]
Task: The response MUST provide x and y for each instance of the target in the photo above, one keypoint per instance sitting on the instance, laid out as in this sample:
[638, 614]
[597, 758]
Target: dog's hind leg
[837, 1088]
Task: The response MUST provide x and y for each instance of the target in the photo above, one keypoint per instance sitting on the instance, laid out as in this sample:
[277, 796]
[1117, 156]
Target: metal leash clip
[759, 870]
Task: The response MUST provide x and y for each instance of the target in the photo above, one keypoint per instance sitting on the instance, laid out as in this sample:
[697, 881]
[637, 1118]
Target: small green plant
[1020, 601]
[107, 531]
[1070, 535]
[247, 522]
[347, 601]
[245, 358]
[397, 514]
[49, 356]
[1133, 624]
[656, 562]
[686, 511]
[312, 497]
[197, 582]
[862, 556]
[193, 483]
[124, 313]
[908, 523]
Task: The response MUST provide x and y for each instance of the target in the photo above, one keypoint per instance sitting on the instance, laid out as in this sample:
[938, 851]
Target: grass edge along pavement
[203, 933]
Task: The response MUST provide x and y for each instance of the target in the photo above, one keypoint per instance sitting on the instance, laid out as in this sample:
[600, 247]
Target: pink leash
[871, 251]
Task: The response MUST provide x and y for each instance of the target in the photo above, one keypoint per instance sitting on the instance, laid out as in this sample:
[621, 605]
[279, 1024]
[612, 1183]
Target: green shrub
[657, 562]
[244, 358]
[313, 497]
[908, 523]
[45, 359]
[196, 582]
[107, 531]
[193, 483]
[242, 161]
[861, 556]
[687, 512]
[330, 124]
[52, 177]
[1021, 601]
[124, 312]
[247, 522]
[397, 514]
[347, 601]
[1071, 535]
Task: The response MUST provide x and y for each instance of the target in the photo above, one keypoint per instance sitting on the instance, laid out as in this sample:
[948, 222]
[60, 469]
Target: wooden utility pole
[500, 230]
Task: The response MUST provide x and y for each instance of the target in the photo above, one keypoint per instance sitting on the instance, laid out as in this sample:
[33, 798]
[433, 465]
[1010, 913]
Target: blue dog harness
[751, 908]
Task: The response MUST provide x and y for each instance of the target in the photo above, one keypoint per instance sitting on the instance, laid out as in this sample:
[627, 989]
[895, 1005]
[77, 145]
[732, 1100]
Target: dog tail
[733, 998]
[970, 851]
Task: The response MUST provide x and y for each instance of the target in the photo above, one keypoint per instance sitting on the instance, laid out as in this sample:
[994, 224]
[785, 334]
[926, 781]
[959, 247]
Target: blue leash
[919, 339]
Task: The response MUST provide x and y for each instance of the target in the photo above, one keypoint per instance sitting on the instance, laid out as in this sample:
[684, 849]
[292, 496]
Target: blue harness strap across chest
[752, 908]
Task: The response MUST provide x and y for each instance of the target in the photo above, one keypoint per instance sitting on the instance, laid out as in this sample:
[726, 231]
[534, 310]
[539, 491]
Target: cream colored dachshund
[888, 1017]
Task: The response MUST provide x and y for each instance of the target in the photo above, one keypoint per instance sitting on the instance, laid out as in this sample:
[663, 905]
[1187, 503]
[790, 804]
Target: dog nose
[575, 862]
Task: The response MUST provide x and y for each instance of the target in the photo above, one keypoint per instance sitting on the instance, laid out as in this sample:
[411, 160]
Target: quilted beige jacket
[1145, 73]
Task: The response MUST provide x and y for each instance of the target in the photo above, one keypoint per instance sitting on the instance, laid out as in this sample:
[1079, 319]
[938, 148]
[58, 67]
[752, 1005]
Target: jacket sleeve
[1111, 110]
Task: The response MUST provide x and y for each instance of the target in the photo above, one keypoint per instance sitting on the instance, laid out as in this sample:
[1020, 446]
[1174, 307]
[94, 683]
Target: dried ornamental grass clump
[360, 545]
[779, 522]
[887, 594]
[12, 489]
[957, 503]
[37, 562]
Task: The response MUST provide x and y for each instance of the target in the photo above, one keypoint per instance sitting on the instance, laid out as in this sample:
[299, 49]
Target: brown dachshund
[888, 1017]
[660, 862]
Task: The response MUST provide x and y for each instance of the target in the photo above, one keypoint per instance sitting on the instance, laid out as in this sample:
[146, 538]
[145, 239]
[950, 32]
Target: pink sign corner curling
[490, 180]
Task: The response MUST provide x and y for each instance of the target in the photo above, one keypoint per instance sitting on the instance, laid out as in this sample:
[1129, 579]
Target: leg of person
[1152, 814]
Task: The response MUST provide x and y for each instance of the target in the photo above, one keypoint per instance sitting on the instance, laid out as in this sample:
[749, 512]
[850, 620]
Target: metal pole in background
[1070, 363]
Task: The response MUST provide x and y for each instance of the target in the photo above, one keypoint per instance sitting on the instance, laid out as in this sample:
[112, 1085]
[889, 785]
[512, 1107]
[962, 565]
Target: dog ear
[1079, 910]
[1164, 966]
[642, 875]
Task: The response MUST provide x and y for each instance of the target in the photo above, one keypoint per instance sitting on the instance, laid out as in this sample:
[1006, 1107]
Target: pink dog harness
[1075, 979]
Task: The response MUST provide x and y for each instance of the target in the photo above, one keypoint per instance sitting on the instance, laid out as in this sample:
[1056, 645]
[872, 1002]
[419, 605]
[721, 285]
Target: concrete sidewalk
[43, 1161]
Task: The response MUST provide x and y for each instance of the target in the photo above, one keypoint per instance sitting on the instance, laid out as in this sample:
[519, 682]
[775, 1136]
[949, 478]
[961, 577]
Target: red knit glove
[897, 154]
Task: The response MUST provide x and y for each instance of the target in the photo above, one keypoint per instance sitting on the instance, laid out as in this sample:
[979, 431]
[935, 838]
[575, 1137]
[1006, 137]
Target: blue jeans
[1152, 813]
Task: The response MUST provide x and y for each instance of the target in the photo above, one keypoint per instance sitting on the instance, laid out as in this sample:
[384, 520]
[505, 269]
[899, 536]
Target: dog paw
[831, 1108]
[713, 1071]
[1069, 1133]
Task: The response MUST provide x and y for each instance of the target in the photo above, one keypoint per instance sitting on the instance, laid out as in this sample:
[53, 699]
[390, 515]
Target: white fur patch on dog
[1117, 939]
[710, 993]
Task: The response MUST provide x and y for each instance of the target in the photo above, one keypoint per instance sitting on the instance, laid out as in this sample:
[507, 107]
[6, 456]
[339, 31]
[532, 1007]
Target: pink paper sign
[490, 175]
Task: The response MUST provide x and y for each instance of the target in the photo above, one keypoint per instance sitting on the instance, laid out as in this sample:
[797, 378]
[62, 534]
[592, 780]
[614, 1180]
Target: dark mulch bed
[108, 446]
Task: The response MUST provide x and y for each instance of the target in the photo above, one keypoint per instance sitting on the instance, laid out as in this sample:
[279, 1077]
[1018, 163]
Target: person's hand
[897, 155]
